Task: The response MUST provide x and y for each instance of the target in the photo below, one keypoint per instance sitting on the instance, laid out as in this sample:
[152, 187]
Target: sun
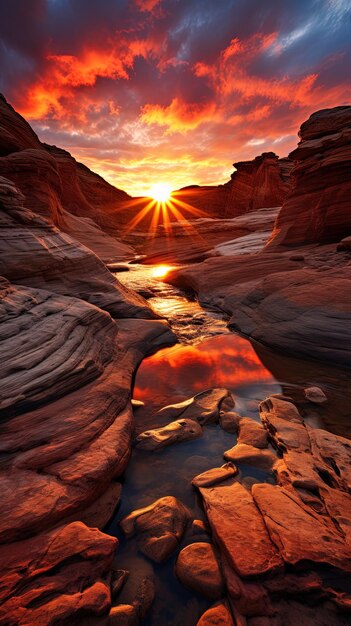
[161, 192]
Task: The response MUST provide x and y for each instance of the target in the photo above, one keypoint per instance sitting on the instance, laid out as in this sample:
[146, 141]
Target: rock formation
[59, 188]
[35, 253]
[260, 183]
[67, 364]
[318, 209]
[286, 547]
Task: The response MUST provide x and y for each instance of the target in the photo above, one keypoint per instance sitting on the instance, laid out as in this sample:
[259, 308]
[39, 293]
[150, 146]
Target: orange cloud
[179, 116]
[232, 74]
[65, 73]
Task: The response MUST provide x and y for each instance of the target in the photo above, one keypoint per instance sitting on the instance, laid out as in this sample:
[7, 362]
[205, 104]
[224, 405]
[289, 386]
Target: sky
[175, 91]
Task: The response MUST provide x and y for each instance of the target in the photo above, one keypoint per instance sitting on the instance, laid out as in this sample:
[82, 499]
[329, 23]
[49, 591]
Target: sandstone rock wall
[263, 182]
[55, 185]
[319, 208]
[67, 362]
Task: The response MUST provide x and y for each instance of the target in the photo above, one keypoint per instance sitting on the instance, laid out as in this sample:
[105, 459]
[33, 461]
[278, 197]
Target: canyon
[270, 252]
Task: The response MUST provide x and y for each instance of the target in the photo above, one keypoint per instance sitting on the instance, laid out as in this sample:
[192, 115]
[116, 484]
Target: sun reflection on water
[160, 271]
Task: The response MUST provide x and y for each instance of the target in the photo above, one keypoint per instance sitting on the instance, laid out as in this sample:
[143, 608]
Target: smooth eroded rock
[158, 527]
[175, 432]
[197, 568]
[249, 455]
[204, 408]
[215, 475]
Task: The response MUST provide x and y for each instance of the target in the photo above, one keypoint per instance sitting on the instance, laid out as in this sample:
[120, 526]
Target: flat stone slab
[239, 529]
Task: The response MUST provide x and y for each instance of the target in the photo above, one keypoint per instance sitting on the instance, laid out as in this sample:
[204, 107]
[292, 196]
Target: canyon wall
[263, 182]
[71, 337]
[292, 295]
[319, 208]
[56, 186]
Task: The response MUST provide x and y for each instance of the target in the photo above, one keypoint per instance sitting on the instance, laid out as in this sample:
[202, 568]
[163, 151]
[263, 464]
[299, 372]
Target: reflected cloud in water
[176, 373]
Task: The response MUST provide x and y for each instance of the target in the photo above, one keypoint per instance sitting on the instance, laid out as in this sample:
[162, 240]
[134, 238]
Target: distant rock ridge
[262, 182]
[318, 210]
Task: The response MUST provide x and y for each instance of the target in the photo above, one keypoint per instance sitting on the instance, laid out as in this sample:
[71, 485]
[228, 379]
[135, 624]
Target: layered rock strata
[37, 254]
[318, 209]
[56, 186]
[66, 373]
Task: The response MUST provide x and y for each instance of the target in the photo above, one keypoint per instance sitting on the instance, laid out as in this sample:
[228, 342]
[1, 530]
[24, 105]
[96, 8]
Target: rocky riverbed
[192, 439]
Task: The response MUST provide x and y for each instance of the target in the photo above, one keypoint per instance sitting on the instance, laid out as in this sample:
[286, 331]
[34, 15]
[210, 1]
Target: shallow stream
[207, 356]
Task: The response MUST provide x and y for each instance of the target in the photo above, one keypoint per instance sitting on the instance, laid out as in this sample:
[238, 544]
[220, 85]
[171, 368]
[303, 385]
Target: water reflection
[173, 374]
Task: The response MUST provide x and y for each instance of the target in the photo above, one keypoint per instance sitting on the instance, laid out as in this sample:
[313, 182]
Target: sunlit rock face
[59, 188]
[260, 183]
[318, 209]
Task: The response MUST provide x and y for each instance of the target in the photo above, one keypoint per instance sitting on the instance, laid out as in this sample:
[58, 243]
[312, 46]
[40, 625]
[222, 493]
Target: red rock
[158, 527]
[229, 421]
[215, 475]
[218, 615]
[35, 253]
[315, 394]
[250, 455]
[322, 162]
[316, 540]
[123, 615]
[205, 407]
[260, 183]
[239, 530]
[175, 432]
[52, 578]
[252, 433]
[263, 182]
[197, 568]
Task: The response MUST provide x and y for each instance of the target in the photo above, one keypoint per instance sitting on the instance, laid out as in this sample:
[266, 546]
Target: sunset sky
[173, 90]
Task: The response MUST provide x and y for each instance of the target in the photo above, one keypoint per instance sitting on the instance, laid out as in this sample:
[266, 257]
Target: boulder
[205, 407]
[37, 573]
[239, 530]
[197, 568]
[218, 615]
[252, 433]
[158, 527]
[249, 455]
[315, 395]
[175, 432]
[215, 475]
[229, 421]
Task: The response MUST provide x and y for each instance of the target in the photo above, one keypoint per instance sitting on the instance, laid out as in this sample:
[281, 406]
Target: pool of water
[208, 356]
[171, 375]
